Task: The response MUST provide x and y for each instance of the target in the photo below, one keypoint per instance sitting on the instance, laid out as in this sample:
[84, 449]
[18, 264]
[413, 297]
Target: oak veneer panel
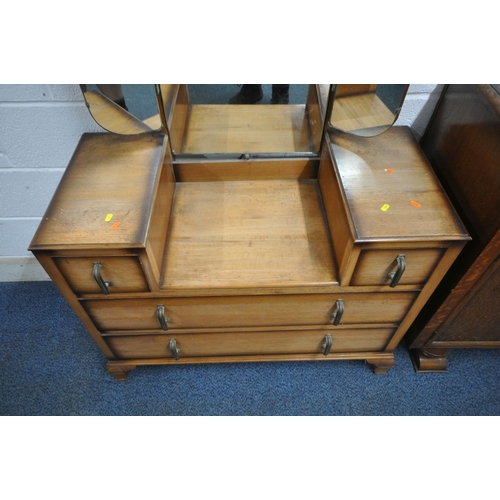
[248, 234]
[179, 115]
[478, 317]
[367, 186]
[227, 344]
[252, 311]
[323, 90]
[315, 117]
[125, 273]
[108, 174]
[160, 217]
[337, 219]
[168, 98]
[246, 170]
[462, 143]
[373, 266]
[347, 89]
[246, 128]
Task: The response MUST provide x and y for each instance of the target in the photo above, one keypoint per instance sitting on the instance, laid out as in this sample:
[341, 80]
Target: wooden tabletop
[105, 196]
[248, 234]
[250, 128]
[391, 190]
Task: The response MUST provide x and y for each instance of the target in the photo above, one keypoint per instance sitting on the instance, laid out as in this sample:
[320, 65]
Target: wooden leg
[380, 366]
[120, 372]
[429, 360]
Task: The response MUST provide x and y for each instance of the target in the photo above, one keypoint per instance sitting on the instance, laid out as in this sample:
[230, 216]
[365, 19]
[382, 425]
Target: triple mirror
[249, 119]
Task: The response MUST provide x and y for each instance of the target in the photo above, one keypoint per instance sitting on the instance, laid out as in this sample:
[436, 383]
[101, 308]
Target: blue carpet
[50, 366]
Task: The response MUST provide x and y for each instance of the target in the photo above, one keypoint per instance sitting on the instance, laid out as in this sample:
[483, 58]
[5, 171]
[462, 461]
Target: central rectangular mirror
[248, 119]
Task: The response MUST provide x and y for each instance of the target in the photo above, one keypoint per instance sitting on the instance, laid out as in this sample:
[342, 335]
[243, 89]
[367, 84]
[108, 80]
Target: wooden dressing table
[323, 248]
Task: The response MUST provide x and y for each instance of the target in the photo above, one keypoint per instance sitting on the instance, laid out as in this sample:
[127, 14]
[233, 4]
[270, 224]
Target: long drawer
[250, 311]
[248, 343]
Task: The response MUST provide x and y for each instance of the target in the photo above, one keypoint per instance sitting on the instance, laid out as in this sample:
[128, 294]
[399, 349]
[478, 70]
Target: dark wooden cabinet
[462, 143]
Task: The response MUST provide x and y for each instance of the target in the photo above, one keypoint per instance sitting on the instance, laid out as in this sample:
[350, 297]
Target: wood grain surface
[248, 234]
[108, 175]
[249, 311]
[381, 177]
[247, 128]
[254, 343]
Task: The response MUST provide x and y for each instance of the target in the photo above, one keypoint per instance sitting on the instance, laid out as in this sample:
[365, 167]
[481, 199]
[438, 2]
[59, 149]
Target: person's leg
[248, 94]
[280, 93]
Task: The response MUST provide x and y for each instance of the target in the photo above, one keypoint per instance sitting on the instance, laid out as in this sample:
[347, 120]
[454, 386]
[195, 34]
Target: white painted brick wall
[40, 126]
[419, 104]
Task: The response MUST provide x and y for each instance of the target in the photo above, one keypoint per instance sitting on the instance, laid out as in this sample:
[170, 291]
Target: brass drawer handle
[327, 345]
[396, 276]
[173, 349]
[160, 312]
[96, 273]
[337, 315]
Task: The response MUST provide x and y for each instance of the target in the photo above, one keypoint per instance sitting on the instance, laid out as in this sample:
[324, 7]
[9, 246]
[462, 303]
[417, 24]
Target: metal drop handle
[337, 315]
[96, 273]
[327, 345]
[173, 349]
[160, 312]
[396, 276]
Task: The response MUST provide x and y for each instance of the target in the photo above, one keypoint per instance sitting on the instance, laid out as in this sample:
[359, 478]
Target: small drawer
[192, 345]
[250, 311]
[378, 267]
[111, 274]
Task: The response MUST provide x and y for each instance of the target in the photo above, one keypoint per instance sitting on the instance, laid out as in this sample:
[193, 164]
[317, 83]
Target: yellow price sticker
[108, 217]
[385, 208]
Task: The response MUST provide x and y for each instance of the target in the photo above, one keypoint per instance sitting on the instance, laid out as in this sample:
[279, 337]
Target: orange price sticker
[385, 208]
[415, 203]
[116, 225]
[389, 170]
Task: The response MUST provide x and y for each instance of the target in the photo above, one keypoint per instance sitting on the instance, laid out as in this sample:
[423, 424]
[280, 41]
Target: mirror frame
[368, 131]
[111, 117]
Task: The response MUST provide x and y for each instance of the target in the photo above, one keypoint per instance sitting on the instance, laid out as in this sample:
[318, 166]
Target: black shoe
[280, 94]
[249, 94]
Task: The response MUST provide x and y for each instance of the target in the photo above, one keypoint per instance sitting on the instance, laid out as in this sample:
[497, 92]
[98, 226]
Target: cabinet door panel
[477, 319]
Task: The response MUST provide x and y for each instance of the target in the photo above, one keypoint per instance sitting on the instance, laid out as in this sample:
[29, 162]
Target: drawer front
[248, 343]
[251, 311]
[374, 266]
[122, 273]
